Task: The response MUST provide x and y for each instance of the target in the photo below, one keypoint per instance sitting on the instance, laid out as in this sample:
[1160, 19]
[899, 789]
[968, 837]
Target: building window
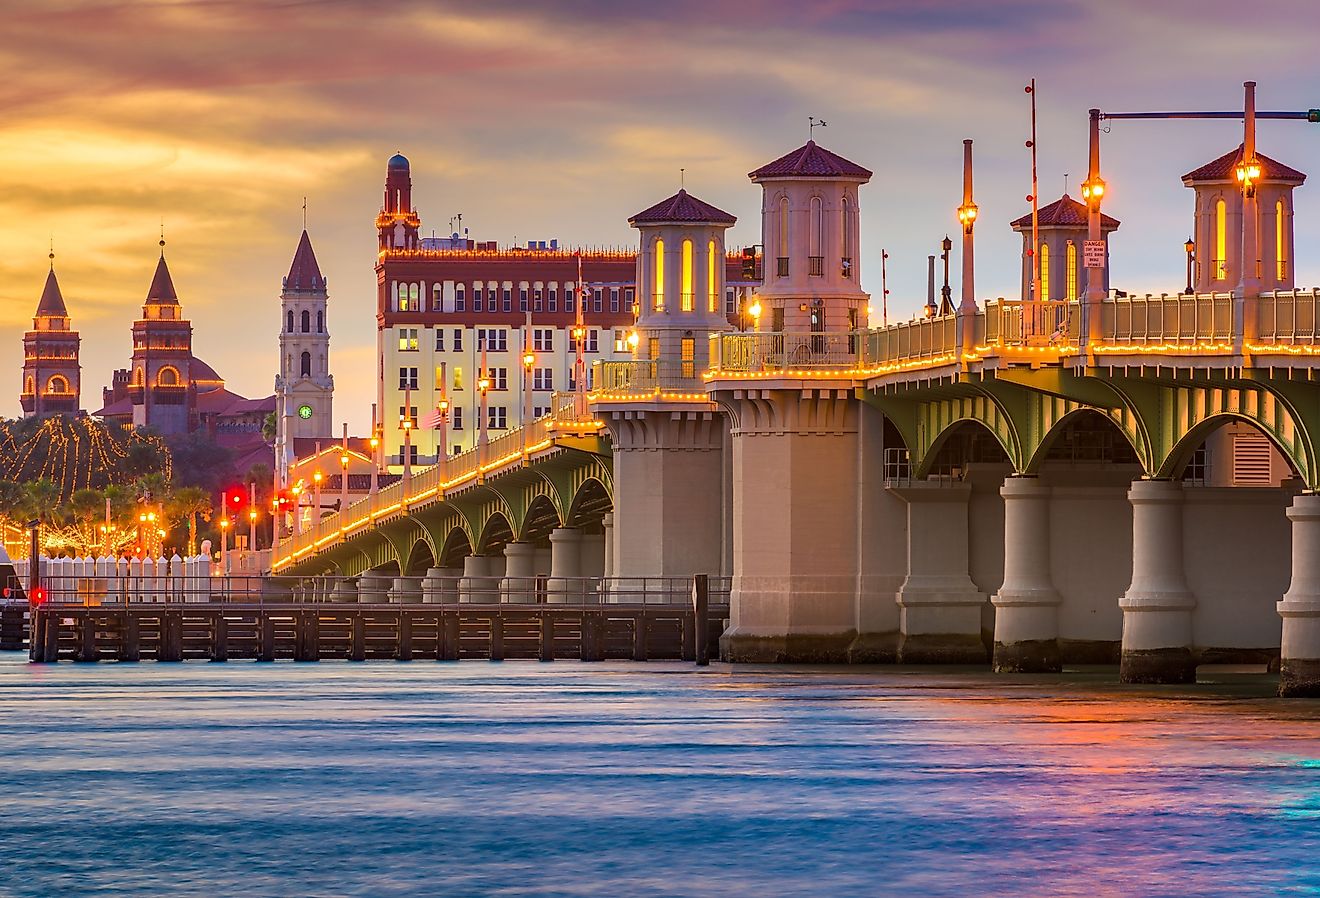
[658, 261]
[456, 413]
[412, 454]
[439, 339]
[782, 268]
[553, 299]
[538, 299]
[730, 301]
[568, 297]
[816, 251]
[522, 299]
[540, 411]
[1072, 271]
[410, 414]
[289, 319]
[458, 339]
[508, 299]
[653, 348]
[493, 339]
[712, 279]
[591, 341]
[306, 322]
[685, 299]
[629, 300]
[620, 340]
[543, 379]
[614, 299]
[1221, 241]
[407, 378]
[688, 355]
[460, 298]
[846, 231]
[58, 384]
[320, 322]
[438, 297]
[407, 339]
[305, 364]
[1044, 272]
[497, 418]
[458, 379]
[1281, 239]
[543, 339]
[499, 378]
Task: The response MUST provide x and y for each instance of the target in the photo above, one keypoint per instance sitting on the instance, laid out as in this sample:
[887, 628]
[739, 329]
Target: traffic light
[284, 501]
[235, 499]
[1313, 115]
[38, 596]
[749, 263]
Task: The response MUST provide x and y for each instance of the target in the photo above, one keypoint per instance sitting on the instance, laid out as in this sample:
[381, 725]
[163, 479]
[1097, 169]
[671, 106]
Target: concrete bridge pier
[1027, 604]
[1158, 606]
[373, 587]
[475, 584]
[1300, 608]
[405, 590]
[565, 565]
[440, 585]
[519, 584]
[795, 525]
[939, 605]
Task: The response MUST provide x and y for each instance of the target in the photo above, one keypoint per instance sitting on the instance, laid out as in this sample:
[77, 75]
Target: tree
[270, 428]
[13, 502]
[188, 502]
[42, 501]
[200, 462]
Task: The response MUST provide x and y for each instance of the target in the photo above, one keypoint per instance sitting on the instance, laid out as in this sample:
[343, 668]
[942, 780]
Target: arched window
[782, 270]
[306, 370]
[394, 296]
[1280, 242]
[167, 377]
[29, 387]
[289, 322]
[414, 297]
[712, 282]
[658, 262]
[1044, 272]
[438, 297]
[306, 321]
[1221, 241]
[817, 226]
[686, 300]
[57, 384]
[1072, 271]
[138, 378]
[320, 322]
[847, 251]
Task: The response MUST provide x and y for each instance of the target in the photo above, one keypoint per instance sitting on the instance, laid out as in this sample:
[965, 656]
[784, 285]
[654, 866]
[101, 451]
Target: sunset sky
[559, 119]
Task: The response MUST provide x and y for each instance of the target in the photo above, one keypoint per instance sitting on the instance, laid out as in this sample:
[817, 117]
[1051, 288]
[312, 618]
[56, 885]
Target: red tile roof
[119, 409]
[1065, 212]
[1223, 169]
[162, 287]
[52, 301]
[304, 274]
[683, 208]
[810, 161]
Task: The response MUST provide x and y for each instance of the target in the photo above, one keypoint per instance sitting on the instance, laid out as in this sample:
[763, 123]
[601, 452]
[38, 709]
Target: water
[625, 779]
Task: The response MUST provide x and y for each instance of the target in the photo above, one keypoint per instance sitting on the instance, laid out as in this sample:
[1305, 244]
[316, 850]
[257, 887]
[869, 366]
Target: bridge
[1080, 475]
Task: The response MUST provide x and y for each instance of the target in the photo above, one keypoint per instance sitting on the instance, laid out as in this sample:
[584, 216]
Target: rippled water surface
[647, 779]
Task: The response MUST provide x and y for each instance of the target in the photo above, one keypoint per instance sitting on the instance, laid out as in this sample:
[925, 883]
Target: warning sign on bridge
[1093, 253]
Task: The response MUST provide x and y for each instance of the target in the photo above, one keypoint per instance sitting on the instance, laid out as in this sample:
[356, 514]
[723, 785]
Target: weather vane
[812, 124]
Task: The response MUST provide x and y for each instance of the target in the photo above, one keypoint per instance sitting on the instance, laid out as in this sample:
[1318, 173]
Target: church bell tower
[304, 388]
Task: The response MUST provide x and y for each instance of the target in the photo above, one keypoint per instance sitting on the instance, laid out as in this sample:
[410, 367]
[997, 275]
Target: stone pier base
[1028, 656]
[1167, 665]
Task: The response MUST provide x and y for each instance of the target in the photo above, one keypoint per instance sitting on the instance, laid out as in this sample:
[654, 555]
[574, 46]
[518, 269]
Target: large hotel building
[441, 301]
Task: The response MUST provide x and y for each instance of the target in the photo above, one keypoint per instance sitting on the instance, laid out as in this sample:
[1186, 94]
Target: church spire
[161, 291]
[304, 273]
[52, 300]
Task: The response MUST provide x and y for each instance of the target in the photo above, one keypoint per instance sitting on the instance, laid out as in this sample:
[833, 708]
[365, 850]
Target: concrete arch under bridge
[527, 504]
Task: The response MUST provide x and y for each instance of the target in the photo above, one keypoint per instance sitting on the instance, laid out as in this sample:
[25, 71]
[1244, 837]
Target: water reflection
[656, 779]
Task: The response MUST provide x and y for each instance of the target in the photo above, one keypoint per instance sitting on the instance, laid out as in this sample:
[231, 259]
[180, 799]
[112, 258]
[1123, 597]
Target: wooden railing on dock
[356, 631]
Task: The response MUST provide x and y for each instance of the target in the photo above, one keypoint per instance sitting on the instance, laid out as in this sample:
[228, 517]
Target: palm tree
[188, 502]
[42, 501]
[13, 499]
[270, 428]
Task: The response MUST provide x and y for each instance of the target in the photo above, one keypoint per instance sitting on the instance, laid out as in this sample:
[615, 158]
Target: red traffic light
[38, 596]
[235, 498]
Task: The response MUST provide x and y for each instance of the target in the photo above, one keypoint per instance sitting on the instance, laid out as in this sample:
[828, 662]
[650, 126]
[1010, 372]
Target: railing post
[701, 617]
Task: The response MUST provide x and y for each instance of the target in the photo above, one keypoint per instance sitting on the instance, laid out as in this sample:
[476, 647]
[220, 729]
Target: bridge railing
[645, 377]
[1012, 322]
[1288, 318]
[1168, 320]
[787, 351]
[920, 338]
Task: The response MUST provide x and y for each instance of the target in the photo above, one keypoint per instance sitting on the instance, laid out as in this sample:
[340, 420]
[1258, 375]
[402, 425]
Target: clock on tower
[304, 412]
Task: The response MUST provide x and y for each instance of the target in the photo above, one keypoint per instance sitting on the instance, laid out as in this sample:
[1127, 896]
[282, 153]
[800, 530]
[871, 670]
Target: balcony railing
[1288, 317]
[784, 351]
[645, 377]
[815, 265]
[920, 338]
[1164, 320]
[782, 269]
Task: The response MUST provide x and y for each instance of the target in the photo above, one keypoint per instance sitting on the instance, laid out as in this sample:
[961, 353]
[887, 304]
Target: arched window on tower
[306, 322]
[782, 268]
[58, 385]
[816, 239]
[845, 264]
[686, 301]
[1221, 241]
[1044, 272]
[1280, 242]
[167, 377]
[320, 322]
[289, 322]
[306, 365]
[712, 282]
[1072, 271]
[658, 261]
[29, 387]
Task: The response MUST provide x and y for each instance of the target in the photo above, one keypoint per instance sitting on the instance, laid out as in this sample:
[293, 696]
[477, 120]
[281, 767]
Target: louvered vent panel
[1251, 460]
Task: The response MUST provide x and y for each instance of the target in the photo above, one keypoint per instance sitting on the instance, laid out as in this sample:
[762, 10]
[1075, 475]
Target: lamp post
[442, 407]
[946, 293]
[967, 213]
[483, 385]
[529, 361]
[755, 309]
[252, 529]
[224, 546]
[297, 508]
[316, 499]
[1190, 247]
[375, 447]
[1093, 192]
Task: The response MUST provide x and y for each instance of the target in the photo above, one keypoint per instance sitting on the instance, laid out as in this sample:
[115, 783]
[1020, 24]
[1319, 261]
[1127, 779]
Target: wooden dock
[358, 632]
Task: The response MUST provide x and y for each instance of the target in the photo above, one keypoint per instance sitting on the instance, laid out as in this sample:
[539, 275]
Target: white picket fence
[94, 580]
